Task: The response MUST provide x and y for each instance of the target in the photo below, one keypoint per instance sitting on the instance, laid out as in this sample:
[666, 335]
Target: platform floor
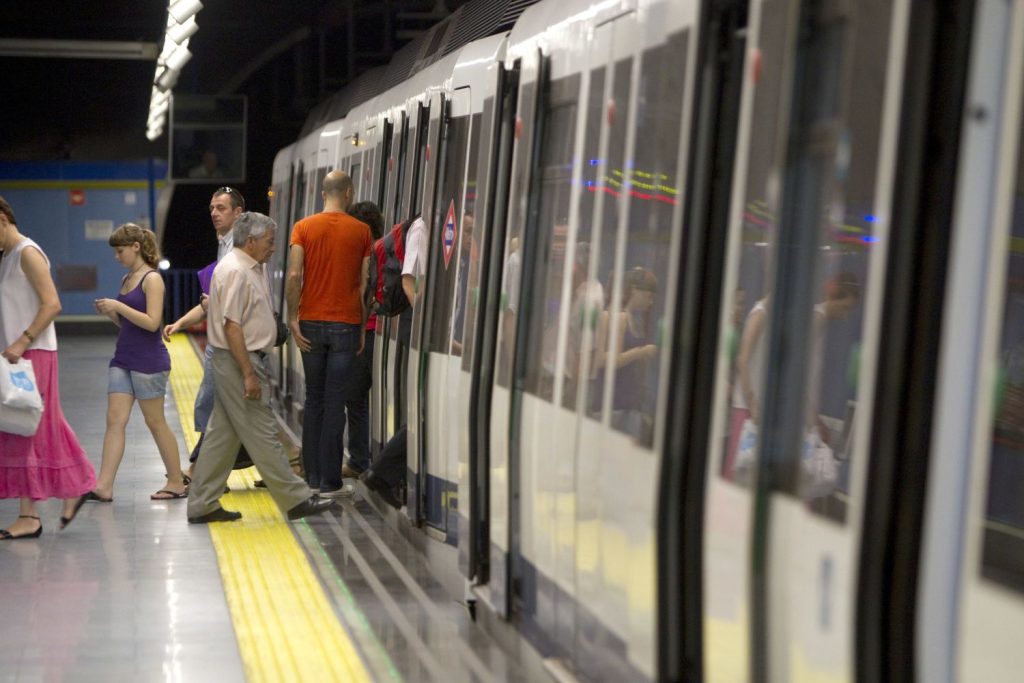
[131, 592]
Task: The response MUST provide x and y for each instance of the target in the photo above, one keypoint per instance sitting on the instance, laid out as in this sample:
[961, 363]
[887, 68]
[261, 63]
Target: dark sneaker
[382, 488]
[312, 506]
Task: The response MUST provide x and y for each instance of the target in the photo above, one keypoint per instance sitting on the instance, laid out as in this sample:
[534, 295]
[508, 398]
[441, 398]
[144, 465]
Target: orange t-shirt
[334, 245]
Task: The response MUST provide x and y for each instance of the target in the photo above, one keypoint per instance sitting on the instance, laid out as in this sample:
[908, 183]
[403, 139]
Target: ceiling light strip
[181, 26]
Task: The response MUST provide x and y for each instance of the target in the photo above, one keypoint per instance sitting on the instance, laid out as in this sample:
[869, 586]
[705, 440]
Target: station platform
[131, 591]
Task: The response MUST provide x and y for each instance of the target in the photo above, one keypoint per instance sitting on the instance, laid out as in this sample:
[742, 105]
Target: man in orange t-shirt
[328, 269]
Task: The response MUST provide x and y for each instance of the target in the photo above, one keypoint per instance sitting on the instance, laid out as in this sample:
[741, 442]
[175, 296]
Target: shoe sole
[340, 493]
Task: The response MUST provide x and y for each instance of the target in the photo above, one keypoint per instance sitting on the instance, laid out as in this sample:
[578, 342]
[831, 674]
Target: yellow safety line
[286, 628]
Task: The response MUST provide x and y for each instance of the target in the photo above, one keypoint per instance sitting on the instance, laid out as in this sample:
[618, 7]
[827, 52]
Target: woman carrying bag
[51, 463]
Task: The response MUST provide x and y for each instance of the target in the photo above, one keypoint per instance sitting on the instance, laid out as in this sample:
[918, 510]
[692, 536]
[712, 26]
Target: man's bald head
[338, 186]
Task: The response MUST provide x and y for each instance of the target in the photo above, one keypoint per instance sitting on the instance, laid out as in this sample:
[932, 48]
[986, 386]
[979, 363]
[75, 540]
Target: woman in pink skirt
[50, 464]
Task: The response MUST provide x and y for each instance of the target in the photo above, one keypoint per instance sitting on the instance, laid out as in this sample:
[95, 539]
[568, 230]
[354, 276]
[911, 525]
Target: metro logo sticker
[449, 234]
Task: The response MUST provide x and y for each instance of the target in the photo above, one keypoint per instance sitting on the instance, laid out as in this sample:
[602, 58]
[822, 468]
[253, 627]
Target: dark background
[286, 56]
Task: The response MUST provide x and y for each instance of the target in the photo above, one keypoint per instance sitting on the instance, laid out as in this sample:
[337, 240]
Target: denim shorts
[138, 384]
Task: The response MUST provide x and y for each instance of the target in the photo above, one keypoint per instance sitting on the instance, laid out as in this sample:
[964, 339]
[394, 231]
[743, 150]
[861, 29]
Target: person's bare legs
[166, 442]
[119, 409]
[25, 524]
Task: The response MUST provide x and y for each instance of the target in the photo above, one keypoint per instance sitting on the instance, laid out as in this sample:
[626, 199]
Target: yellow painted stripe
[283, 620]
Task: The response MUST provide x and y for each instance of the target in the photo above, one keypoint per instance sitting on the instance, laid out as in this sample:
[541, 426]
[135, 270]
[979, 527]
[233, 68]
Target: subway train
[717, 371]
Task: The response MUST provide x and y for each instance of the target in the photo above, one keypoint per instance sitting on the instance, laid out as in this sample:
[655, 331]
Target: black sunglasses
[233, 192]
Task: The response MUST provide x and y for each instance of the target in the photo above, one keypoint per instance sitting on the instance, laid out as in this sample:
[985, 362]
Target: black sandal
[6, 535]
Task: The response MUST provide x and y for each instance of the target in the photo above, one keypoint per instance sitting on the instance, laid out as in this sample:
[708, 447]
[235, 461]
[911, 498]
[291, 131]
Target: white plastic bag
[819, 468]
[21, 405]
[746, 452]
[18, 388]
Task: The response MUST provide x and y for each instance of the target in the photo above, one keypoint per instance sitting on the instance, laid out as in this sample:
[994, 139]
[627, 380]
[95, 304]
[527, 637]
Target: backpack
[386, 270]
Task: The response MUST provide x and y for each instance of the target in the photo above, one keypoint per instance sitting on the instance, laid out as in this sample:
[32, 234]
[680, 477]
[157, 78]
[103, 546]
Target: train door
[291, 358]
[414, 398]
[617, 286]
[490, 165]
[381, 413]
[502, 488]
[281, 210]
[396, 328]
[484, 313]
[799, 338]
[451, 250]
[542, 432]
[971, 617]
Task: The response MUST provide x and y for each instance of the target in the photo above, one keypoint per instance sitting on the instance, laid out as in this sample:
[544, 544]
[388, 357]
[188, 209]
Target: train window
[1002, 552]
[631, 332]
[321, 173]
[830, 177]
[587, 294]
[513, 256]
[554, 167]
[384, 170]
[444, 234]
[430, 172]
[359, 191]
[476, 203]
[609, 202]
[468, 253]
[300, 194]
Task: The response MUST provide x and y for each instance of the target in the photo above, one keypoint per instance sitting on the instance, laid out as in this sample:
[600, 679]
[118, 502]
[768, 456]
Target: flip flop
[171, 495]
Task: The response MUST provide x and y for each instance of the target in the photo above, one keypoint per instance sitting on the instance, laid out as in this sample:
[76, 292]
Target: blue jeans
[331, 381]
[358, 409]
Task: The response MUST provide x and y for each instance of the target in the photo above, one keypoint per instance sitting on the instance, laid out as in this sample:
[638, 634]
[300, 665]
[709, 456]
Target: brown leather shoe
[349, 472]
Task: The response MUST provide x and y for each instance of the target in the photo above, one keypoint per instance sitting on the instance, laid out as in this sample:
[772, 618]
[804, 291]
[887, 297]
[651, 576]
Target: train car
[702, 384]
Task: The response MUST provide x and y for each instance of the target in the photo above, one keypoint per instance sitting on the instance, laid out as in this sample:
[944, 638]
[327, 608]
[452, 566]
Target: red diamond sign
[449, 234]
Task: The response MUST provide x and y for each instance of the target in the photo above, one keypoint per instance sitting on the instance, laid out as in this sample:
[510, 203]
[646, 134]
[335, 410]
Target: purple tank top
[138, 349]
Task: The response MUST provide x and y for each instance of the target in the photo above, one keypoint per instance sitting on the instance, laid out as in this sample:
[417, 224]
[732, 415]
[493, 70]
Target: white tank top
[19, 302]
[755, 363]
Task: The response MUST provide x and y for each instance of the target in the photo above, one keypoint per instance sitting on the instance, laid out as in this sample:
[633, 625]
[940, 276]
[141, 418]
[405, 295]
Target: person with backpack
[405, 250]
[328, 270]
[358, 410]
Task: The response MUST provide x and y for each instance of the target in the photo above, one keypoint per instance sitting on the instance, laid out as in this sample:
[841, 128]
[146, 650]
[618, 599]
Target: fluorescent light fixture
[181, 26]
[168, 79]
[159, 99]
[157, 115]
[179, 58]
[164, 264]
[181, 10]
[182, 32]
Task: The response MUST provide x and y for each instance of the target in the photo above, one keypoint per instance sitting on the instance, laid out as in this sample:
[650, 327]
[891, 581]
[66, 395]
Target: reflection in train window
[469, 284]
[1003, 539]
[839, 203]
[631, 332]
[555, 170]
[587, 295]
[510, 283]
[609, 202]
[466, 256]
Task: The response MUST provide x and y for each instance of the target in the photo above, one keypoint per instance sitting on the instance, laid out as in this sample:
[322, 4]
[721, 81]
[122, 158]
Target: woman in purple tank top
[141, 364]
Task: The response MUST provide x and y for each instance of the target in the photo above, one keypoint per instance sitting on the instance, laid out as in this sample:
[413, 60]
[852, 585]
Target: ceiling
[286, 55]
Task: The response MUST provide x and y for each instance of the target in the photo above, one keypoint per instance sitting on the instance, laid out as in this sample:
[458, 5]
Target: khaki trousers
[235, 420]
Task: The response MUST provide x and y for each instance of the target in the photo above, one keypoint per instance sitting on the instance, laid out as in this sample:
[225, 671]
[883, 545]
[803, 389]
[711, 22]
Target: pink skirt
[50, 464]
